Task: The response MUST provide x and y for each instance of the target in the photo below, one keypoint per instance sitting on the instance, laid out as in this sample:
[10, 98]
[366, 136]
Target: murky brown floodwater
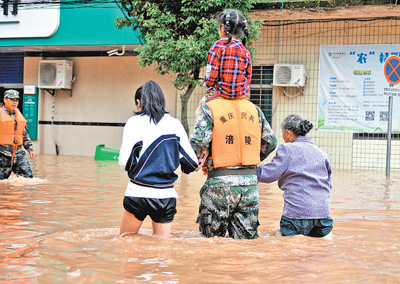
[62, 227]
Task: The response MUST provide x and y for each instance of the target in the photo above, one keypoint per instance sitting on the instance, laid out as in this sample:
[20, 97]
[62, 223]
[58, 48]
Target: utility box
[30, 109]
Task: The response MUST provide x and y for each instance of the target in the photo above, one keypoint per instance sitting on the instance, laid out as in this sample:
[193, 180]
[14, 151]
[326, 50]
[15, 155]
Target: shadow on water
[63, 225]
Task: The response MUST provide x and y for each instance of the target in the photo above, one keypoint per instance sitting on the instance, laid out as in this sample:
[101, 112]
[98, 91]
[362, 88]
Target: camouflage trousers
[20, 166]
[229, 203]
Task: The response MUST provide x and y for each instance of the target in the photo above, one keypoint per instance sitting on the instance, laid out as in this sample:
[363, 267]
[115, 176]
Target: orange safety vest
[9, 134]
[236, 136]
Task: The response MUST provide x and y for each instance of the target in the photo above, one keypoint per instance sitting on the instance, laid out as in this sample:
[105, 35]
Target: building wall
[298, 42]
[104, 89]
[294, 43]
[103, 92]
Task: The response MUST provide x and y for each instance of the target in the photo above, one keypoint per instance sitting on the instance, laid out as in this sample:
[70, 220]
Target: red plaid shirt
[229, 69]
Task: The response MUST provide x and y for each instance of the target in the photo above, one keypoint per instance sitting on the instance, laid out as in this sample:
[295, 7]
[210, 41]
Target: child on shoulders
[228, 72]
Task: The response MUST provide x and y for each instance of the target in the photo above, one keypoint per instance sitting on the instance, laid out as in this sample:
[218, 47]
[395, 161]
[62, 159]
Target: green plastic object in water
[106, 154]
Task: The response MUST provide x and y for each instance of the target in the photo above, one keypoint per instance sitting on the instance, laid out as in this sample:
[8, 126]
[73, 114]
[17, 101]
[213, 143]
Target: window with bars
[261, 89]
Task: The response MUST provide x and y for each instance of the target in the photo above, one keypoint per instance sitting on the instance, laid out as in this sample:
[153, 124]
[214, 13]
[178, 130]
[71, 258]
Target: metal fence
[298, 42]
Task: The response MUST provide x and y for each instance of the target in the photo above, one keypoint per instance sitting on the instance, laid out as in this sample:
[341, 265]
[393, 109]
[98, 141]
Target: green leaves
[178, 34]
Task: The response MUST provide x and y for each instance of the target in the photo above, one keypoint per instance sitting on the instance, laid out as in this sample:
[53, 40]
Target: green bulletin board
[30, 109]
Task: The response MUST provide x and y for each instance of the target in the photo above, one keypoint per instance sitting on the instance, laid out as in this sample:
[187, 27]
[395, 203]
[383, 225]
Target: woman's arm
[187, 156]
[276, 168]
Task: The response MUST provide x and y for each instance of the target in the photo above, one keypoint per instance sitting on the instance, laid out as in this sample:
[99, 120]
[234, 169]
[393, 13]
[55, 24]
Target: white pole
[389, 136]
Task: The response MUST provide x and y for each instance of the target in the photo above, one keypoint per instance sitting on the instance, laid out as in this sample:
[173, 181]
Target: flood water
[62, 227]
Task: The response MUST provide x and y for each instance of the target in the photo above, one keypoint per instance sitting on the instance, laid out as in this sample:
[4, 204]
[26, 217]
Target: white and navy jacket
[150, 153]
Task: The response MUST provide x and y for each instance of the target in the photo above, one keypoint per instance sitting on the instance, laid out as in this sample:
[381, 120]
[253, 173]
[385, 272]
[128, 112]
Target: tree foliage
[178, 34]
[312, 4]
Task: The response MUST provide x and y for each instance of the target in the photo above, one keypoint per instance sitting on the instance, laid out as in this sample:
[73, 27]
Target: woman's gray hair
[297, 125]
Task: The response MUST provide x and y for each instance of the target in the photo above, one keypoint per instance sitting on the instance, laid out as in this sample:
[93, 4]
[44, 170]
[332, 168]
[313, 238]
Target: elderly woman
[303, 172]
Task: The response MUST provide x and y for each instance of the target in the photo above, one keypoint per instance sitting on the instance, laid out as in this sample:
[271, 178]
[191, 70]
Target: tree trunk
[184, 104]
[185, 98]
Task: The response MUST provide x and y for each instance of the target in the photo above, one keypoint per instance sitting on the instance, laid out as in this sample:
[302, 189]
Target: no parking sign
[391, 69]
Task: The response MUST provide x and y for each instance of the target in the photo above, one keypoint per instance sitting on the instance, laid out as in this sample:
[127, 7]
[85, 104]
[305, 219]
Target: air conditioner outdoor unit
[289, 75]
[55, 74]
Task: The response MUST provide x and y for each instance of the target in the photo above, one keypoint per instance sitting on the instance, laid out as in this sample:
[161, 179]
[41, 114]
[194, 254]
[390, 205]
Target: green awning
[83, 24]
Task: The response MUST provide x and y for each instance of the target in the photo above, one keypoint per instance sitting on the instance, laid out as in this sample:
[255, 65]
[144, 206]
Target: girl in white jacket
[154, 144]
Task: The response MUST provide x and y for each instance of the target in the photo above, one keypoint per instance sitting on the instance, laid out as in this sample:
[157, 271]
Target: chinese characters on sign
[351, 88]
[28, 18]
[6, 4]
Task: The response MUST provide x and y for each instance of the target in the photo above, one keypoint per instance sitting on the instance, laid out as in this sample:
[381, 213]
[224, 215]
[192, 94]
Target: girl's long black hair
[152, 101]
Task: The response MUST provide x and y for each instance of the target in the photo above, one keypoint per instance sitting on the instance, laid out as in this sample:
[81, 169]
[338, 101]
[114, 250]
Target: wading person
[233, 133]
[237, 137]
[154, 144]
[13, 138]
[229, 67]
[303, 172]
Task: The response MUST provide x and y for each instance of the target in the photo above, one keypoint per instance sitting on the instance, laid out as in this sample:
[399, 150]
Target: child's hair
[152, 101]
[138, 94]
[297, 125]
[234, 24]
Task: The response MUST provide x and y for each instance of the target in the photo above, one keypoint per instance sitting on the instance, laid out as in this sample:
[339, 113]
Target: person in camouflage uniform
[15, 154]
[229, 203]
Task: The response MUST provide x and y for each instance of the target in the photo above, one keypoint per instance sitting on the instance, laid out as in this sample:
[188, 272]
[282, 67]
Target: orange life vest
[9, 133]
[236, 133]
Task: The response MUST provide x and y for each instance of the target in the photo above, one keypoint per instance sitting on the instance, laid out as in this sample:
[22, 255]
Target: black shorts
[160, 210]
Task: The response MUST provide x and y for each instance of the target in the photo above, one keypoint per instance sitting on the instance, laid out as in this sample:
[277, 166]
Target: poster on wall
[351, 86]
